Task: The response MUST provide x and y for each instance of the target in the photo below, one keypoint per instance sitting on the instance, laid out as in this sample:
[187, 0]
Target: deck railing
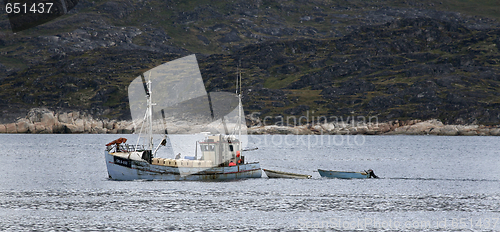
[125, 148]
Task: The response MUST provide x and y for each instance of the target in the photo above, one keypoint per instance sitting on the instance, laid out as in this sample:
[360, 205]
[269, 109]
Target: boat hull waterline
[343, 175]
[130, 169]
[289, 175]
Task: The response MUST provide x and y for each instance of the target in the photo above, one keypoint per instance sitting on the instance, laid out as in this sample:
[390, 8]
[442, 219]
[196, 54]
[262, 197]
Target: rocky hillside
[389, 59]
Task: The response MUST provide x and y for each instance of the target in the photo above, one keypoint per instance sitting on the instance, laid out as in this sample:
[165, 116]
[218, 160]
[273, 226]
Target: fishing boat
[347, 175]
[279, 174]
[180, 93]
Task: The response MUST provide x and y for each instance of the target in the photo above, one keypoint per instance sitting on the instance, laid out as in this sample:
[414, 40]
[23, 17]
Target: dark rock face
[203, 39]
[392, 62]
[297, 110]
[349, 87]
[117, 9]
[230, 37]
[277, 104]
[287, 69]
[382, 102]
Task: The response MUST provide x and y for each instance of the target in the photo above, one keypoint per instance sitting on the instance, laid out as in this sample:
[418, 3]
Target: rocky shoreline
[396, 127]
[45, 121]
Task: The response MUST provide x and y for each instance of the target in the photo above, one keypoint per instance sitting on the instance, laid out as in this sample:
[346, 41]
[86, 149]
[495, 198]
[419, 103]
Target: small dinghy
[347, 175]
[278, 174]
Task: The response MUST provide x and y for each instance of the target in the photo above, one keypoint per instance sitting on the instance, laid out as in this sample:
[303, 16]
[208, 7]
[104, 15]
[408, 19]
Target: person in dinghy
[371, 173]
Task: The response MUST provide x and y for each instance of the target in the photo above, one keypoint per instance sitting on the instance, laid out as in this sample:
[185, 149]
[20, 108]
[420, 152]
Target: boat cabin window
[207, 147]
[231, 147]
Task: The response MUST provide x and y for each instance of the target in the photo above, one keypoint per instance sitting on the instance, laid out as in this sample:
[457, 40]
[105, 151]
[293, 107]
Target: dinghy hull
[343, 175]
[289, 175]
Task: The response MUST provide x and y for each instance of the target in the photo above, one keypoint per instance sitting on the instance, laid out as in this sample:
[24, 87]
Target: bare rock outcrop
[409, 127]
[45, 121]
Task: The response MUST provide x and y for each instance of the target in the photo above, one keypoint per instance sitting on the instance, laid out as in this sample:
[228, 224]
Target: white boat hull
[132, 169]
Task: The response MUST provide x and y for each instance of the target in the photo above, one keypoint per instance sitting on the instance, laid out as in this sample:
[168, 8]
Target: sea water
[427, 183]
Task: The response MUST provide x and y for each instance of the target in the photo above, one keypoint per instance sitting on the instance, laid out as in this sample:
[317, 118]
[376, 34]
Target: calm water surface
[428, 183]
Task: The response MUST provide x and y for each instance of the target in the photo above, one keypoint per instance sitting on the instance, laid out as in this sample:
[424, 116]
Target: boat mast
[150, 113]
[238, 92]
[239, 112]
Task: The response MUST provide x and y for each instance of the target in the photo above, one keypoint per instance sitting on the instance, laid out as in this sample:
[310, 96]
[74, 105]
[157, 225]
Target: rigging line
[211, 107]
[225, 126]
[167, 138]
[213, 114]
[146, 90]
[163, 120]
[142, 126]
